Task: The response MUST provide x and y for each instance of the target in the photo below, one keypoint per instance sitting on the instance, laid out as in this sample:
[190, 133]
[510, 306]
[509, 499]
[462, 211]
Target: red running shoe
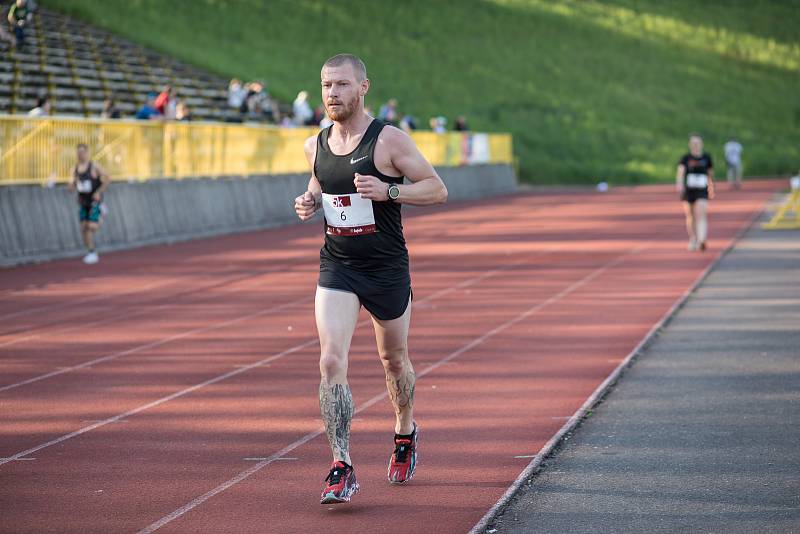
[404, 458]
[341, 484]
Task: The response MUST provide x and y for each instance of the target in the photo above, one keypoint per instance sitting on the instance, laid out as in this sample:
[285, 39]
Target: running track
[175, 387]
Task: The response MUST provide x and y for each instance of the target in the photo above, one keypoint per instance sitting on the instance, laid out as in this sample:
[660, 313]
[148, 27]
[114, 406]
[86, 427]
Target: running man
[90, 180]
[695, 183]
[358, 165]
[733, 162]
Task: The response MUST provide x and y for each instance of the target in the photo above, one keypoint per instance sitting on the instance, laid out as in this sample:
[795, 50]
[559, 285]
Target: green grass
[591, 90]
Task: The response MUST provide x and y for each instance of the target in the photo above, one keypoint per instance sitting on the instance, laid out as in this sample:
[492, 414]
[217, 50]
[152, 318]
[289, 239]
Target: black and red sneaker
[341, 484]
[404, 458]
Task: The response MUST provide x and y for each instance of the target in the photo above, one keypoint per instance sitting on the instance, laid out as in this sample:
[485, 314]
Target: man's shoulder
[311, 142]
[393, 134]
[310, 148]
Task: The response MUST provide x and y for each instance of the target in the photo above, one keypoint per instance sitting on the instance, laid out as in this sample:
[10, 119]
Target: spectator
[110, 110]
[236, 94]
[271, 110]
[461, 124]
[42, 107]
[171, 109]
[408, 123]
[733, 162]
[182, 112]
[162, 100]
[288, 121]
[303, 114]
[438, 124]
[388, 112]
[148, 110]
[319, 115]
[19, 16]
[256, 103]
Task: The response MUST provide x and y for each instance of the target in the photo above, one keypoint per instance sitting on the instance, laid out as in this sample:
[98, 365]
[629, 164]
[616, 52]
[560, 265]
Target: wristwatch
[394, 192]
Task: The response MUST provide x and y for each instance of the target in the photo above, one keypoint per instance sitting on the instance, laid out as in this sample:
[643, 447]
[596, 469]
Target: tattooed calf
[401, 391]
[336, 405]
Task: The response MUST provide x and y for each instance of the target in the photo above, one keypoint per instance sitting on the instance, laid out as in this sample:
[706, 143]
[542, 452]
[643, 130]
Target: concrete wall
[39, 224]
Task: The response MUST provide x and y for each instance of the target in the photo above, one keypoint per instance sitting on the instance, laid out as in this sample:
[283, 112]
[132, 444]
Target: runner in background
[695, 183]
[733, 162]
[90, 181]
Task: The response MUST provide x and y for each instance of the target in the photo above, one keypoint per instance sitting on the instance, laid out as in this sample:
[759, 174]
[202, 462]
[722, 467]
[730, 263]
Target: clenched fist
[305, 205]
[371, 187]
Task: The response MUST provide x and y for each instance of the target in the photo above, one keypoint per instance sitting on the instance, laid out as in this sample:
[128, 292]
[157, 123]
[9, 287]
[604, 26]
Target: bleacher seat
[79, 66]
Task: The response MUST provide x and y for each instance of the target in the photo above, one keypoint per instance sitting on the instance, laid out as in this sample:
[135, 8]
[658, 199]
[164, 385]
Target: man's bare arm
[309, 202]
[425, 189]
[679, 175]
[105, 179]
[710, 175]
[71, 183]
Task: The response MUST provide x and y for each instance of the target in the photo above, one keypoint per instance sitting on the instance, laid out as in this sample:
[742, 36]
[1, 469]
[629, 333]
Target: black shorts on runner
[385, 294]
[690, 195]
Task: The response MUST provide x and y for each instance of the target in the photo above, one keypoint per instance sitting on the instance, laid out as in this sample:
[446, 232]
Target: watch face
[394, 192]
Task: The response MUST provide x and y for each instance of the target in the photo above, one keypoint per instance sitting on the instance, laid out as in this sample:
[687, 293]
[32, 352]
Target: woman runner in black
[695, 183]
[357, 182]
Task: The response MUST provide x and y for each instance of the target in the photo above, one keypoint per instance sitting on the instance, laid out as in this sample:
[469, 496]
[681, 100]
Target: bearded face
[341, 92]
[341, 111]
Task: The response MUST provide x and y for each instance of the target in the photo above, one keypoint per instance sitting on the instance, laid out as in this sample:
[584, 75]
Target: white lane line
[139, 348]
[153, 344]
[102, 296]
[157, 402]
[262, 458]
[98, 420]
[99, 322]
[194, 503]
[178, 294]
[69, 302]
[237, 371]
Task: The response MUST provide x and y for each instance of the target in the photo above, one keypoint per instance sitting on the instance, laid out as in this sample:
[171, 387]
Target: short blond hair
[348, 59]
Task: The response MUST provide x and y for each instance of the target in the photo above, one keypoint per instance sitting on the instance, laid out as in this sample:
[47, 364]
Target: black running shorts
[690, 195]
[385, 293]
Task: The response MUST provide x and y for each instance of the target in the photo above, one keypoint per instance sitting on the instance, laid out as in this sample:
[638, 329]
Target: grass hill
[591, 90]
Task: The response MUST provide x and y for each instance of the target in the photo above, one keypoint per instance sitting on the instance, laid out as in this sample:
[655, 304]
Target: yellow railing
[42, 150]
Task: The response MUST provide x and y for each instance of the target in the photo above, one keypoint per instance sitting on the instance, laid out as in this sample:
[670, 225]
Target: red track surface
[132, 388]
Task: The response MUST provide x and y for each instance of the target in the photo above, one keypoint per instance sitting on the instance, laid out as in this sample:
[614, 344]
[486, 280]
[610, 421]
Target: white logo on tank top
[354, 161]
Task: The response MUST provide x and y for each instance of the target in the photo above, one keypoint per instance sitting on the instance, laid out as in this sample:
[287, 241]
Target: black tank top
[381, 247]
[696, 166]
[86, 185]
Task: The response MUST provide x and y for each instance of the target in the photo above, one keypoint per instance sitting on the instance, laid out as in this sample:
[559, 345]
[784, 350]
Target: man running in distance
[90, 180]
[358, 165]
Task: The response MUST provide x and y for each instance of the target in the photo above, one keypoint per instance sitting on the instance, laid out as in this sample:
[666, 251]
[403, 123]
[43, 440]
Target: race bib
[348, 214]
[84, 186]
[696, 181]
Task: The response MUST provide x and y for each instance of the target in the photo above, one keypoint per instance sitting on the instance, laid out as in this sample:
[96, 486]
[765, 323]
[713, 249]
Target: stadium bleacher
[78, 66]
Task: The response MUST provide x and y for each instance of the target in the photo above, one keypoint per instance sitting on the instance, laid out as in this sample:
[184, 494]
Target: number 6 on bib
[348, 215]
